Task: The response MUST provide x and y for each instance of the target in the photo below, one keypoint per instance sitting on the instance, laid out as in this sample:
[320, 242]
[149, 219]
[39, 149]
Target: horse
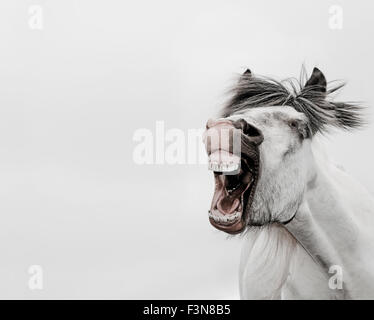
[307, 227]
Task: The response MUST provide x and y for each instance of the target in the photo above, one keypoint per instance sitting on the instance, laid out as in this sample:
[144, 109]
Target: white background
[71, 96]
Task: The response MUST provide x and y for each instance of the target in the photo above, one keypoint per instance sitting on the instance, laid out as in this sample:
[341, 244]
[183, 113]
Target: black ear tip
[315, 69]
[247, 72]
[318, 72]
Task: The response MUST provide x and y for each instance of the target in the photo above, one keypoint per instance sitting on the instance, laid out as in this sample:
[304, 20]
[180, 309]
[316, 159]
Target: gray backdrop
[76, 85]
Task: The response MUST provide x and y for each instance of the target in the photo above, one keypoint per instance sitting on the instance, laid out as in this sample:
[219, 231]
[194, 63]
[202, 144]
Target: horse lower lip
[232, 228]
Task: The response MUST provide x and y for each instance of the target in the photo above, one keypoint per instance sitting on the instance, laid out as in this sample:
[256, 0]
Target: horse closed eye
[299, 127]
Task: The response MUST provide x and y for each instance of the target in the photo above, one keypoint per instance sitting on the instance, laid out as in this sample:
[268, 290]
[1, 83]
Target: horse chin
[234, 190]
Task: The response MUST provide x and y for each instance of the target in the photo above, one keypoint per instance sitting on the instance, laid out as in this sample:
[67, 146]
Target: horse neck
[333, 226]
[335, 221]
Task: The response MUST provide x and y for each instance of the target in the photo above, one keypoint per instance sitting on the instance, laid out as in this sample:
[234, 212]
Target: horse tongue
[228, 204]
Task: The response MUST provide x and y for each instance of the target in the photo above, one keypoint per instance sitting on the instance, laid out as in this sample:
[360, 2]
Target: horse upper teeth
[223, 167]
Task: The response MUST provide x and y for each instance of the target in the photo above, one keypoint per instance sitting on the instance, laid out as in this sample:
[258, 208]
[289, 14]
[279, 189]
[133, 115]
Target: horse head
[260, 148]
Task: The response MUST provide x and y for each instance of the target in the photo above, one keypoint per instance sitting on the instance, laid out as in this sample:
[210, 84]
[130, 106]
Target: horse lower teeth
[223, 218]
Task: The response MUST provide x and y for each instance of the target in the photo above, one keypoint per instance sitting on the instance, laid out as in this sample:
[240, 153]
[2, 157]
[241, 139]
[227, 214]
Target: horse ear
[247, 73]
[317, 80]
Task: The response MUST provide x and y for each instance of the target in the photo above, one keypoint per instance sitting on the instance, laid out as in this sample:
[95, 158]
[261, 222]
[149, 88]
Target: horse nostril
[249, 130]
[210, 123]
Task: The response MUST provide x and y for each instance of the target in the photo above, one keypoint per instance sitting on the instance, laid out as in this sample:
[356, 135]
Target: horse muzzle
[232, 148]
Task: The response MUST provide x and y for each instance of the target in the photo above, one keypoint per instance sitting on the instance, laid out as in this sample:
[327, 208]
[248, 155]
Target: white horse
[308, 227]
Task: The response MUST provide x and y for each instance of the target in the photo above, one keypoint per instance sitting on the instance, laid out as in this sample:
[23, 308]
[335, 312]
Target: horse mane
[310, 98]
[262, 247]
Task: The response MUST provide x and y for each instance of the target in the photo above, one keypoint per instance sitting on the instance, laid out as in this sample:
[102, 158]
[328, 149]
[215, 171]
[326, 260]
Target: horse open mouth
[235, 180]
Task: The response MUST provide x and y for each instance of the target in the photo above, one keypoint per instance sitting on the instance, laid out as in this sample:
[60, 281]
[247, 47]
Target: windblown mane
[311, 98]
